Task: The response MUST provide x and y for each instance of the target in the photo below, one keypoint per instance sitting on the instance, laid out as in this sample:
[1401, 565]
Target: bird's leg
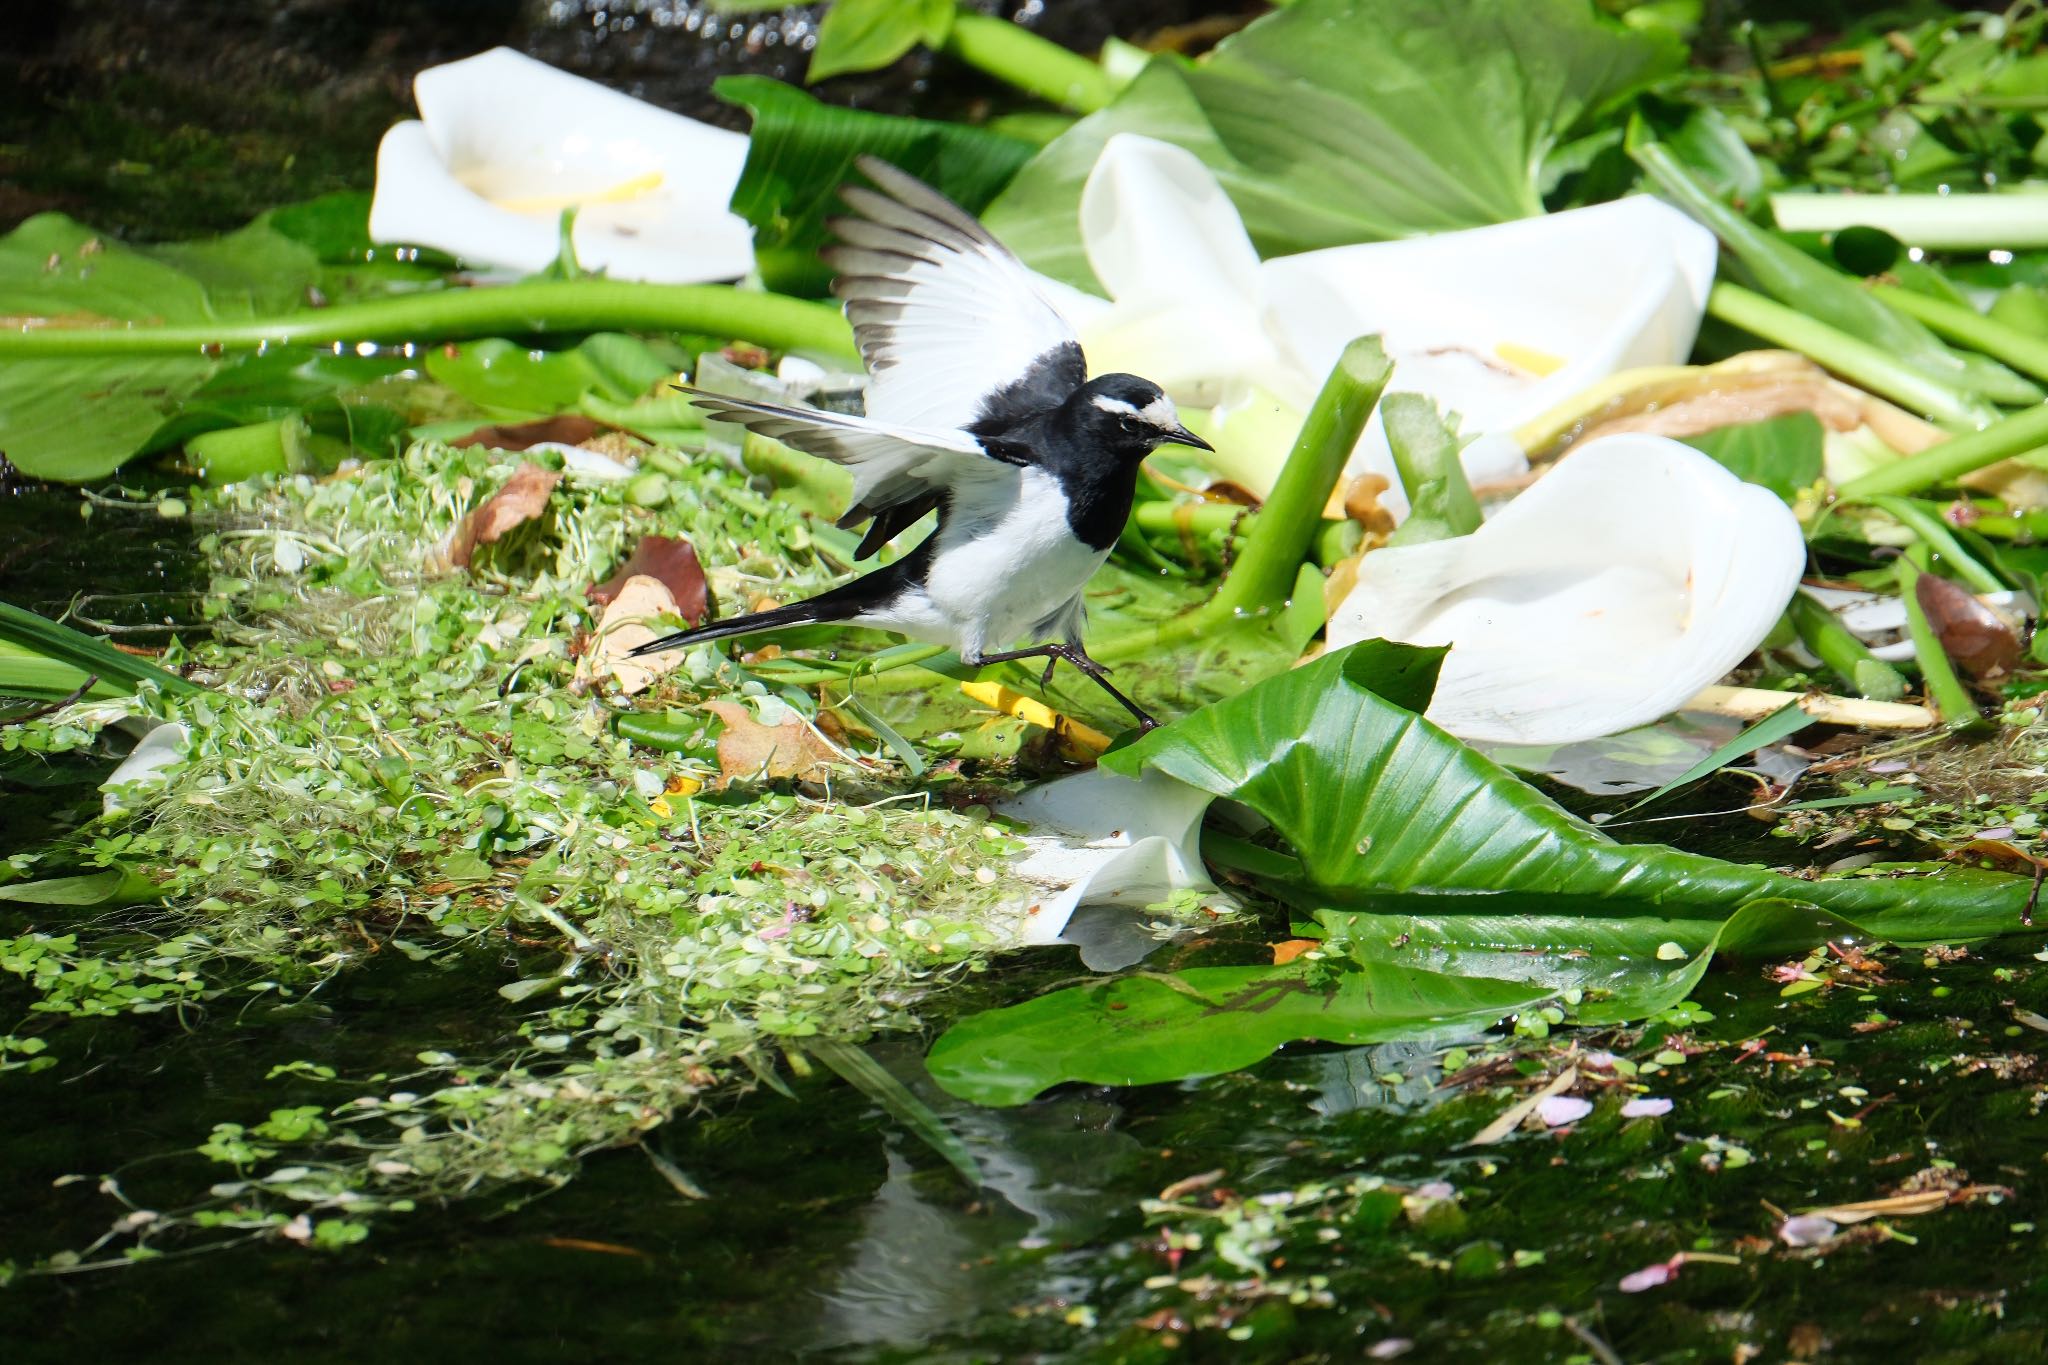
[1078, 657]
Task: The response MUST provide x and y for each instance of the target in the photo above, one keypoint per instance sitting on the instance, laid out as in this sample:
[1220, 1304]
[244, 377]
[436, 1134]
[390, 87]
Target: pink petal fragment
[1646, 1107]
[1649, 1277]
[1556, 1110]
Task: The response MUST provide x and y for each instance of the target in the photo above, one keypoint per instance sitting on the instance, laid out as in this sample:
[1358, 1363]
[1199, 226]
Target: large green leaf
[76, 418]
[1137, 1030]
[1448, 888]
[802, 151]
[1384, 808]
[1337, 121]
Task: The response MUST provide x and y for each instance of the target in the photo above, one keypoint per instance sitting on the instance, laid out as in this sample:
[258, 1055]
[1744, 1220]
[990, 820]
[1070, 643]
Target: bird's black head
[1129, 416]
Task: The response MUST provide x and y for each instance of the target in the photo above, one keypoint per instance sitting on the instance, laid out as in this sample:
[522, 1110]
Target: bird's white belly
[1007, 562]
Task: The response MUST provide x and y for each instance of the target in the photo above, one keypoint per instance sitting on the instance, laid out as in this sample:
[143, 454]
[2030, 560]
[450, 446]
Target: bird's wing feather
[892, 466]
[953, 327]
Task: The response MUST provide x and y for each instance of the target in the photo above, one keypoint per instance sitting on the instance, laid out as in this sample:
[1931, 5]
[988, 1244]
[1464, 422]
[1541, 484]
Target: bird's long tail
[814, 612]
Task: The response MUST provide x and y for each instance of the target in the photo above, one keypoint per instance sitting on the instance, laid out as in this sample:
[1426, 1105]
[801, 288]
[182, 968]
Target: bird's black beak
[1181, 436]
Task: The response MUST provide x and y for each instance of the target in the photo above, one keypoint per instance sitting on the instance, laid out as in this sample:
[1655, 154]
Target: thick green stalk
[1845, 656]
[1937, 675]
[1936, 535]
[2022, 350]
[2024, 526]
[1038, 66]
[1293, 511]
[770, 320]
[1953, 458]
[1851, 357]
[1939, 222]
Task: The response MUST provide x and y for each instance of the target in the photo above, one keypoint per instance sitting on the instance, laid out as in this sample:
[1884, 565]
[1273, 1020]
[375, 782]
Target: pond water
[828, 1231]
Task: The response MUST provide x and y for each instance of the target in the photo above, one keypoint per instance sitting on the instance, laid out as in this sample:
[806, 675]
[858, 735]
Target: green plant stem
[1271, 561]
[1845, 656]
[1851, 357]
[1938, 222]
[1937, 675]
[1197, 518]
[1018, 57]
[1939, 464]
[1926, 523]
[2022, 526]
[1293, 512]
[771, 320]
[2022, 350]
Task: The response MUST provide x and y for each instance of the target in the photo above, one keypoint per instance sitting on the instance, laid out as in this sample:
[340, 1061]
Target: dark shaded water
[829, 1236]
[175, 118]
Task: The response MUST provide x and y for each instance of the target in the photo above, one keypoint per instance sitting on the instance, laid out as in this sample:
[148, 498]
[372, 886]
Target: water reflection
[931, 1255]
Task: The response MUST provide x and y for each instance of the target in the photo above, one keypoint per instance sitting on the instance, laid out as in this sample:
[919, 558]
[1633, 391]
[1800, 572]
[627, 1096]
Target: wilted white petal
[1646, 1107]
[144, 767]
[1636, 573]
[1101, 839]
[504, 143]
[580, 463]
[1806, 1230]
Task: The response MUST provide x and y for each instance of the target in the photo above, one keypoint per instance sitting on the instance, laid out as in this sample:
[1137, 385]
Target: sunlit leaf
[1782, 454]
[864, 35]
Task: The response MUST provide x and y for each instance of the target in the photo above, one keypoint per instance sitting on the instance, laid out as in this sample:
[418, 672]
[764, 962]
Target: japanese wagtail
[979, 406]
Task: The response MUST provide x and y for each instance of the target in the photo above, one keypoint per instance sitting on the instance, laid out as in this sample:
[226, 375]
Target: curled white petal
[144, 767]
[1633, 575]
[1101, 839]
[1167, 243]
[504, 143]
[1496, 323]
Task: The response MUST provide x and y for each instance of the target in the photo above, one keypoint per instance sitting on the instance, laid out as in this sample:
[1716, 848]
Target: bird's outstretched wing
[897, 471]
[952, 326]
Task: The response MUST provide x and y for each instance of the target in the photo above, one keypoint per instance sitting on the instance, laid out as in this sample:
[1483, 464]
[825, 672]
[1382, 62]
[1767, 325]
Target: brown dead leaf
[674, 562]
[1891, 1206]
[1181, 1189]
[524, 497]
[1511, 1117]
[630, 620]
[1972, 634]
[1286, 952]
[747, 748]
[590, 1244]
[567, 429]
[1362, 503]
[1706, 399]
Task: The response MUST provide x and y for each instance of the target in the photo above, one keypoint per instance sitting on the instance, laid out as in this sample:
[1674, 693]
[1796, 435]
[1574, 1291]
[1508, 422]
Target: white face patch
[1159, 412]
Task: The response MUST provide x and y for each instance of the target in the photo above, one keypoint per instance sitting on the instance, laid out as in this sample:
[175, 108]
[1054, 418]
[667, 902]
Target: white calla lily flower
[505, 143]
[1101, 839]
[1609, 594]
[144, 768]
[1496, 323]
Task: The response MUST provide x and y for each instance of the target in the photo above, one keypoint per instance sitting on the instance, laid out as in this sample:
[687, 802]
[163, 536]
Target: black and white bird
[979, 407]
